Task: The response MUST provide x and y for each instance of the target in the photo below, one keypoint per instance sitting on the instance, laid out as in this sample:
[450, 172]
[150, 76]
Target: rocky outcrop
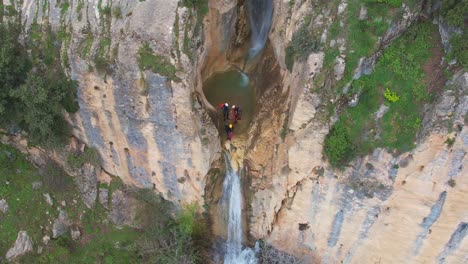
[48, 199]
[86, 182]
[3, 205]
[123, 211]
[104, 197]
[141, 123]
[148, 130]
[23, 245]
[75, 233]
[61, 224]
[301, 205]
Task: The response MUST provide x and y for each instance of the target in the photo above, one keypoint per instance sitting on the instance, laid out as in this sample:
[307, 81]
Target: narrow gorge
[352, 146]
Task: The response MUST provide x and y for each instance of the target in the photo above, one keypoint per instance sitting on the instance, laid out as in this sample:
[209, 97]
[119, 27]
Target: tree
[338, 147]
[14, 65]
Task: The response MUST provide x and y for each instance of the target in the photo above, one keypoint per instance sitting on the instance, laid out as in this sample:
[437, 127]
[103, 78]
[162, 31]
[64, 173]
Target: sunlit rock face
[147, 129]
[383, 207]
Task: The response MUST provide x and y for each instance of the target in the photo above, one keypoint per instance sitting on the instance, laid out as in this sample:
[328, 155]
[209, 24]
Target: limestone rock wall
[150, 131]
[383, 208]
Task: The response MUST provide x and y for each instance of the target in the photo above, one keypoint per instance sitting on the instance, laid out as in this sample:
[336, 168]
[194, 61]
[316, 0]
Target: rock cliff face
[383, 207]
[156, 133]
[150, 131]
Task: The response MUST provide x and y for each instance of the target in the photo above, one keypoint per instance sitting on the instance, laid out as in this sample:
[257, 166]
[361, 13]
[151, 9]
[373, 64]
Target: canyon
[167, 134]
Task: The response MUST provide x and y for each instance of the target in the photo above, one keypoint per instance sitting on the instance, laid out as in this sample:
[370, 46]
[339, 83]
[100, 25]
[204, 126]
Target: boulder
[104, 197]
[48, 199]
[46, 239]
[61, 224]
[86, 181]
[36, 185]
[23, 245]
[363, 13]
[3, 205]
[381, 112]
[123, 209]
[75, 233]
[339, 68]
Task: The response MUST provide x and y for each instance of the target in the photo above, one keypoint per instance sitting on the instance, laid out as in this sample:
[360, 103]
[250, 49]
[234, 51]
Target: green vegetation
[201, 6]
[450, 141]
[27, 208]
[117, 12]
[101, 61]
[460, 49]
[394, 3]
[362, 35]
[302, 44]
[89, 155]
[162, 237]
[106, 10]
[147, 60]
[34, 88]
[391, 96]
[79, 6]
[198, 9]
[338, 146]
[454, 11]
[452, 183]
[64, 8]
[85, 46]
[398, 74]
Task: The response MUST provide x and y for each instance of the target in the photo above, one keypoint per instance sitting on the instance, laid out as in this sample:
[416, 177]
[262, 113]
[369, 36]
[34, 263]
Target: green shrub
[106, 10]
[89, 155]
[452, 183]
[330, 57]
[460, 49]
[64, 8]
[391, 96]
[454, 12]
[289, 58]
[399, 77]
[85, 45]
[393, 3]
[450, 142]
[302, 44]
[338, 147]
[200, 5]
[102, 65]
[35, 99]
[117, 12]
[147, 60]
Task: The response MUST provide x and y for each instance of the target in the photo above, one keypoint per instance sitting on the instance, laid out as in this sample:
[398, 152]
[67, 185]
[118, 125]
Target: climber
[225, 108]
[237, 113]
[229, 129]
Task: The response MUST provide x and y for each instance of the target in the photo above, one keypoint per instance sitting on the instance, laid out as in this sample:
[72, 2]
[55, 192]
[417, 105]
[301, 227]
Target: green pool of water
[232, 87]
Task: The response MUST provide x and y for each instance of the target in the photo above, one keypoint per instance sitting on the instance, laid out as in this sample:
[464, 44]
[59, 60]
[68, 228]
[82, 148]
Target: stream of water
[232, 199]
[260, 16]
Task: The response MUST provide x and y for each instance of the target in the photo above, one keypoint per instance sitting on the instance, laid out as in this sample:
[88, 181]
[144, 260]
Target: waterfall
[260, 15]
[232, 199]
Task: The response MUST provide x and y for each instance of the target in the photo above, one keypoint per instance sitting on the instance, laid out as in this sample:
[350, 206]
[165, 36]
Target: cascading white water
[232, 199]
[260, 15]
